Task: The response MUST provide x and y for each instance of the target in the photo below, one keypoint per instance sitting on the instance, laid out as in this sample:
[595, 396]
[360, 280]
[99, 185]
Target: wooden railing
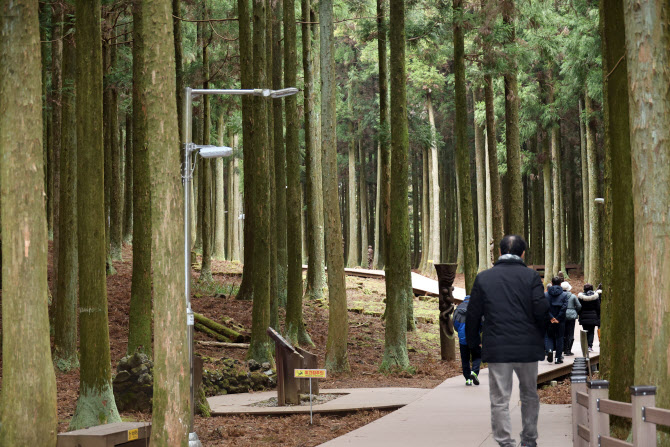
[591, 410]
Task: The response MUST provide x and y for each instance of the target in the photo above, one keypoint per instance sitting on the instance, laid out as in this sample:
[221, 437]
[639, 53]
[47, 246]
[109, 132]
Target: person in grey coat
[574, 307]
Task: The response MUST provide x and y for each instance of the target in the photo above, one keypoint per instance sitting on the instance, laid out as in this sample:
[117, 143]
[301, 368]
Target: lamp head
[215, 151]
[283, 92]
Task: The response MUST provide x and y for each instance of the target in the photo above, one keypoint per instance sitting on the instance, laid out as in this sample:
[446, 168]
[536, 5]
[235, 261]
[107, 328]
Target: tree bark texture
[170, 416]
[352, 216]
[65, 340]
[556, 197]
[435, 246]
[363, 203]
[28, 410]
[482, 246]
[128, 193]
[548, 213]
[96, 403]
[595, 254]
[338, 327]
[116, 200]
[462, 152]
[648, 63]
[220, 234]
[492, 151]
[384, 140]
[398, 281]
[206, 171]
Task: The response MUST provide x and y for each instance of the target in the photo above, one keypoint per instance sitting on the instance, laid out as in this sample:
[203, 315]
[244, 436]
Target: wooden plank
[658, 416]
[615, 408]
[583, 399]
[310, 361]
[606, 441]
[583, 432]
[108, 435]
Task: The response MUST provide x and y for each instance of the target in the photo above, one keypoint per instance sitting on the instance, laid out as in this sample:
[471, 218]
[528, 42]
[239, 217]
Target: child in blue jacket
[474, 355]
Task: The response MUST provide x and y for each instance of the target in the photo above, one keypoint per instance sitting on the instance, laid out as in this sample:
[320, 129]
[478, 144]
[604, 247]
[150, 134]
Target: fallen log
[215, 335]
[224, 344]
[231, 334]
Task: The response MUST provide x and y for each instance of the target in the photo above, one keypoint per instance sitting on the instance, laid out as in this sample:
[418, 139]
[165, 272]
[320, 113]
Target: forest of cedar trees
[421, 133]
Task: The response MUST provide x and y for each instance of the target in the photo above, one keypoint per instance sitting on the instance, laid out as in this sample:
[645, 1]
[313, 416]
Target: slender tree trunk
[595, 254]
[378, 198]
[490, 241]
[116, 201]
[561, 203]
[352, 215]
[128, 195]
[536, 239]
[548, 213]
[107, 143]
[462, 152]
[435, 248]
[556, 199]
[235, 254]
[65, 340]
[258, 169]
[170, 417]
[314, 190]
[648, 59]
[398, 281]
[28, 410]
[482, 246]
[416, 201]
[363, 202]
[206, 177]
[618, 341]
[140, 317]
[425, 220]
[246, 80]
[338, 328]
[219, 192]
[586, 251]
[492, 151]
[384, 208]
[96, 403]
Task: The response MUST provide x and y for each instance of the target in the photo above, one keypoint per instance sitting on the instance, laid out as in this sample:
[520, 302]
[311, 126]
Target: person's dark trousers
[466, 354]
[569, 338]
[554, 338]
[590, 330]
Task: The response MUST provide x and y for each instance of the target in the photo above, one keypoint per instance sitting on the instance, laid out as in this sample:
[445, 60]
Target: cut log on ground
[220, 329]
[224, 345]
[215, 335]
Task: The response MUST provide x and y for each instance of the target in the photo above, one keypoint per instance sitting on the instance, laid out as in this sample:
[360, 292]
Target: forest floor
[365, 348]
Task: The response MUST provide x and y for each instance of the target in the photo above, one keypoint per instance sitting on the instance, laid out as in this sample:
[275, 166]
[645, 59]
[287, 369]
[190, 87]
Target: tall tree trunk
[179, 65]
[384, 208]
[128, 195]
[482, 246]
[295, 328]
[236, 237]
[140, 316]
[416, 205]
[462, 152]
[490, 241]
[219, 200]
[586, 249]
[246, 81]
[258, 169]
[116, 201]
[594, 212]
[618, 341]
[352, 215]
[65, 340]
[648, 59]
[314, 190]
[515, 201]
[43, 14]
[556, 199]
[561, 203]
[338, 328]
[363, 202]
[170, 417]
[206, 171]
[435, 248]
[537, 207]
[398, 281]
[492, 151]
[28, 409]
[425, 211]
[96, 403]
[548, 214]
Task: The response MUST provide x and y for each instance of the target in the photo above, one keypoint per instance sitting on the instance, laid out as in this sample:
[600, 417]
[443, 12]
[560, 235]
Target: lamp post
[205, 151]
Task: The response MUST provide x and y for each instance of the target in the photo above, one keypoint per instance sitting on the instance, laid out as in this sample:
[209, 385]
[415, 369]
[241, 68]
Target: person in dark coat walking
[558, 305]
[511, 299]
[574, 306]
[589, 317]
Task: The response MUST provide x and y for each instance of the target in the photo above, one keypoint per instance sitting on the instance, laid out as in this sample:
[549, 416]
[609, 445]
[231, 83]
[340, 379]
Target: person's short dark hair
[556, 281]
[588, 287]
[512, 244]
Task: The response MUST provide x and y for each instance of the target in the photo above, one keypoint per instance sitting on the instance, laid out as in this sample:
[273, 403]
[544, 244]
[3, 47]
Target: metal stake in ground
[309, 374]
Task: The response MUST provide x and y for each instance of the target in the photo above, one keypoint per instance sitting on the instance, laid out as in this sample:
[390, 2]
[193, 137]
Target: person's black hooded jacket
[510, 296]
[558, 302]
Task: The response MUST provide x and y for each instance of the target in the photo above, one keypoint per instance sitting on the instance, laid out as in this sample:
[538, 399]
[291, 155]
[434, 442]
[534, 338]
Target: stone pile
[232, 376]
[134, 383]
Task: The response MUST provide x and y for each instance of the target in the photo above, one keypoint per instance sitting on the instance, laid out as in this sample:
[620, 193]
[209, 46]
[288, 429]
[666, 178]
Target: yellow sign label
[310, 373]
[133, 434]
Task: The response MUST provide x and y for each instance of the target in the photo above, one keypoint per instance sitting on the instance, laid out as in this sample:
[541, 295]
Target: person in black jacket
[589, 317]
[511, 299]
[558, 305]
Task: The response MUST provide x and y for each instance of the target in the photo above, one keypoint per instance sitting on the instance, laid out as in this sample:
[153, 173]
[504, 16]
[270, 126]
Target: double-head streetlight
[205, 151]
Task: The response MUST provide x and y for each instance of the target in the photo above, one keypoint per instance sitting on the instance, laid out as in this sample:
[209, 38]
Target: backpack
[461, 312]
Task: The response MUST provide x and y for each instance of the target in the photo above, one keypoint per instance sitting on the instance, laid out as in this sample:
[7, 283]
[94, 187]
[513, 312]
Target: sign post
[310, 374]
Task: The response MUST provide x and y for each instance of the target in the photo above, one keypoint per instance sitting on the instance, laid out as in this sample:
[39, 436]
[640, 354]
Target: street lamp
[205, 151]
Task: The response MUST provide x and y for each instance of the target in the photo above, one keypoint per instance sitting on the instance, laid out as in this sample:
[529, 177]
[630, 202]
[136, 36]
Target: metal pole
[193, 440]
[310, 401]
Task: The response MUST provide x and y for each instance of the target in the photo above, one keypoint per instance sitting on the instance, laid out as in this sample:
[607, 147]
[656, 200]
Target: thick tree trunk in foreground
[139, 324]
[648, 58]
[28, 410]
[65, 340]
[314, 188]
[259, 348]
[179, 65]
[96, 403]
[618, 359]
[338, 327]
[398, 281]
[170, 416]
[462, 152]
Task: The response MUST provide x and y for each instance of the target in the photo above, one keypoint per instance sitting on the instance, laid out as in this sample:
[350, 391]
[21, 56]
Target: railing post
[644, 433]
[599, 423]
[578, 412]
